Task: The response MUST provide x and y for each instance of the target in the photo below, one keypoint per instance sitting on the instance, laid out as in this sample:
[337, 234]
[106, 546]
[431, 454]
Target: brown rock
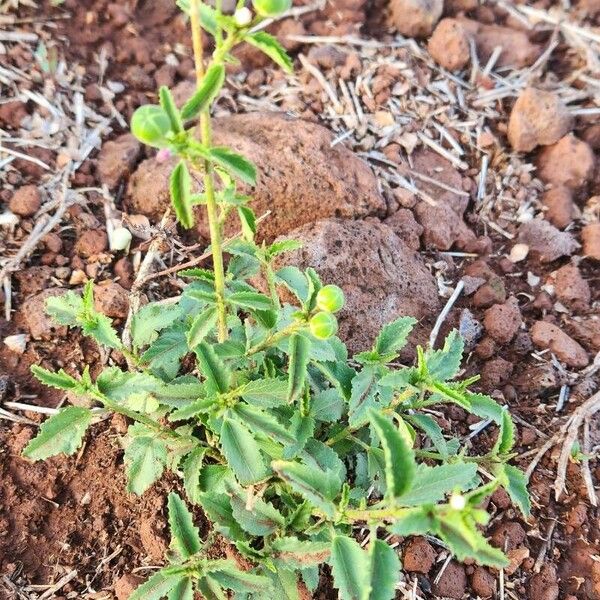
[586, 331]
[490, 293]
[126, 585]
[561, 208]
[449, 45]
[516, 556]
[32, 314]
[546, 241]
[543, 585]
[91, 242]
[123, 270]
[419, 556]
[538, 118]
[569, 162]
[53, 242]
[590, 236]
[508, 535]
[453, 582]
[403, 223]
[12, 113]
[517, 50]
[502, 321]
[26, 201]
[300, 177]
[415, 18]
[382, 278]
[117, 158]
[548, 336]
[495, 373]
[483, 583]
[33, 279]
[571, 288]
[111, 300]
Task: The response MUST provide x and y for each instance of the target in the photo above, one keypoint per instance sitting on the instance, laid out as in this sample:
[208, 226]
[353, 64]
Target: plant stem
[214, 224]
[274, 338]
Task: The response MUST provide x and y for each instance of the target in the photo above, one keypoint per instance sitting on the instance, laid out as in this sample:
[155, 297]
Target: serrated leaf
[282, 246]
[385, 571]
[265, 393]
[211, 85]
[180, 186]
[192, 467]
[261, 519]
[350, 568]
[414, 521]
[119, 385]
[399, 457]
[295, 280]
[185, 537]
[432, 429]
[327, 406]
[251, 300]
[232, 578]
[363, 397]
[298, 554]
[514, 481]
[145, 460]
[302, 428]
[485, 407]
[235, 164]
[317, 486]
[184, 590]
[432, 484]
[217, 507]
[158, 586]
[213, 368]
[164, 355]
[444, 364]
[149, 320]
[242, 452]
[299, 350]
[56, 379]
[247, 221]
[201, 326]
[394, 335]
[62, 433]
[100, 328]
[272, 48]
[506, 437]
[260, 421]
[168, 105]
[284, 583]
[65, 309]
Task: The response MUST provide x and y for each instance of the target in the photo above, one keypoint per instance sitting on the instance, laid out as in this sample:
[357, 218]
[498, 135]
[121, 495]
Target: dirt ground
[430, 156]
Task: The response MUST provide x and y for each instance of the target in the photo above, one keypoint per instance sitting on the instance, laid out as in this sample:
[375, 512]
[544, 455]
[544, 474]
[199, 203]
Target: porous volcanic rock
[538, 118]
[569, 162]
[301, 178]
[382, 278]
[419, 556]
[415, 18]
[32, 314]
[449, 45]
[571, 288]
[453, 582]
[26, 201]
[111, 299]
[548, 336]
[502, 321]
[117, 158]
[546, 241]
[561, 208]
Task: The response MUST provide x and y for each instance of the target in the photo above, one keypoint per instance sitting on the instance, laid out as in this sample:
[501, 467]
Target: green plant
[286, 444]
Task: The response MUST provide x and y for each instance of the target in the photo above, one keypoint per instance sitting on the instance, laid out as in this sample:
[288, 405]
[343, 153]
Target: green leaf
[119, 385]
[251, 300]
[100, 328]
[211, 85]
[158, 586]
[444, 364]
[59, 380]
[192, 467]
[485, 407]
[213, 368]
[433, 483]
[514, 481]
[506, 437]
[265, 393]
[400, 465]
[65, 309]
[247, 221]
[235, 164]
[394, 335]
[350, 567]
[327, 405]
[385, 571]
[261, 519]
[185, 537]
[295, 280]
[299, 350]
[415, 521]
[168, 105]
[298, 554]
[165, 354]
[62, 433]
[180, 186]
[283, 246]
[202, 325]
[208, 15]
[363, 397]
[184, 590]
[285, 584]
[218, 509]
[260, 421]
[145, 460]
[272, 48]
[150, 319]
[209, 588]
[232, 578]
[431, 427]
[318, 487]
[242, 452]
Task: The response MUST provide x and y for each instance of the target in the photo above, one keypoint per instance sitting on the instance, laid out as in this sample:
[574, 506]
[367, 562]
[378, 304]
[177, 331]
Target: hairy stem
[214, 224]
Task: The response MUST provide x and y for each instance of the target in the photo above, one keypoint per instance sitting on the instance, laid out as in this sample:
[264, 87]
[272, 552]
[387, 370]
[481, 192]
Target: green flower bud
[271, 8]
[330, 298]
[150, 124]
[323, 325]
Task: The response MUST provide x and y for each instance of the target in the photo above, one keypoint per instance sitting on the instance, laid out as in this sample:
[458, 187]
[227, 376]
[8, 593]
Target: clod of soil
[117, 158]
[538, 118]
[111, 299]
[91, 243]
[590, 236]
[449, 45]
[561, 210]
[569, 162]
[571, 288]
[508, 535]
[415, 18]
[453, 582]
[26, 201]
[419, 556]
[548, 336]
[382, 278]
[32, 313]
[483, 583]
[301, 177]
[544, 585]
[502, 321]
[546, 241]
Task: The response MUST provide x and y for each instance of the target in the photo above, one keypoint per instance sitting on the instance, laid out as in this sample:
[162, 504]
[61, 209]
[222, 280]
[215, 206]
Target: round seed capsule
[323, 325]
[330, 298]
[150, 124]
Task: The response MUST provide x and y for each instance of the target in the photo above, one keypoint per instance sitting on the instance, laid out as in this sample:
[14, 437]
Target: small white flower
[243, 17]
[457, 501]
